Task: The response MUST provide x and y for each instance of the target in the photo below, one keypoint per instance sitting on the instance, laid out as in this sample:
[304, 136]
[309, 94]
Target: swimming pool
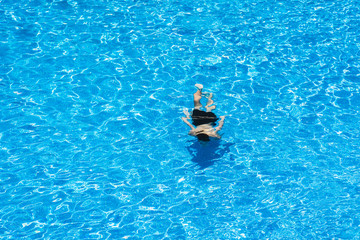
[92, 142]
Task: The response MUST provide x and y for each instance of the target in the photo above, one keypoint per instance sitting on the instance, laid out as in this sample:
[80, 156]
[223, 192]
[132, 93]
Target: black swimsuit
[200, 117]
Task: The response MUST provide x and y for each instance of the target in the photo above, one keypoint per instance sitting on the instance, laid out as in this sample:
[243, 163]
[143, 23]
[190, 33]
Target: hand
[186, 112]
[222, 118]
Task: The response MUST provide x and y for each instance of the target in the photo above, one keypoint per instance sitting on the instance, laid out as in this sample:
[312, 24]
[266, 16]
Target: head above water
[203, 137]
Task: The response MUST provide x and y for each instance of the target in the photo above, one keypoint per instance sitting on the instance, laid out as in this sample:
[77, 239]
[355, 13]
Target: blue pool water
[92, 145]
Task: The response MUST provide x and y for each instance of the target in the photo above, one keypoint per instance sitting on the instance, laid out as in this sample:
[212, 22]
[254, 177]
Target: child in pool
[204, 121]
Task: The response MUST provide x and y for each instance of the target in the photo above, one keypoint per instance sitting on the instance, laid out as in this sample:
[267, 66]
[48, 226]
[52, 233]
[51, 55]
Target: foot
[199, 86]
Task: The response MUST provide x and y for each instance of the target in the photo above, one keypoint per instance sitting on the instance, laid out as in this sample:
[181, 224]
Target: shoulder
[215, 135]
[192, 132]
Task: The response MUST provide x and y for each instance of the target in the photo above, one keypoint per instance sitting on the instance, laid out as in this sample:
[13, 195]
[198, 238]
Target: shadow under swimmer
[206, 155]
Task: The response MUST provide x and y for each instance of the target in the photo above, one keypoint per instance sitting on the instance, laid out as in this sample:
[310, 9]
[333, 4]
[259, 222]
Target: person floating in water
[204, 121]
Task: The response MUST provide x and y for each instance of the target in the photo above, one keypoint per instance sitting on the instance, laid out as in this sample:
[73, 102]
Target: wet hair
[203, 137]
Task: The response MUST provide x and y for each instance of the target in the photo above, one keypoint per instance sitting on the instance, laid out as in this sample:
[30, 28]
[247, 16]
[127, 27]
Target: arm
[221, 124]
[187, 122]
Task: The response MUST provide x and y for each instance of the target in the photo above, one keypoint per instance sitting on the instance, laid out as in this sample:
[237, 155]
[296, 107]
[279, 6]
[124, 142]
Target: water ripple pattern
[91, 141]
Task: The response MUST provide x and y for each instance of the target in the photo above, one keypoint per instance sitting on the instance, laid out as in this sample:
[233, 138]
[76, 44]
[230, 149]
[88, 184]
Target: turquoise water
[92, 145]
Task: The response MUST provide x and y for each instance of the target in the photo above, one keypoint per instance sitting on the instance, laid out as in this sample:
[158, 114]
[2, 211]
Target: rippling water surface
[91, 141]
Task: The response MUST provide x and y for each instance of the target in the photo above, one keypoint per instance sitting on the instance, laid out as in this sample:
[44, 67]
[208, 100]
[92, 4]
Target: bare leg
[197, 98]
[209, 102]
